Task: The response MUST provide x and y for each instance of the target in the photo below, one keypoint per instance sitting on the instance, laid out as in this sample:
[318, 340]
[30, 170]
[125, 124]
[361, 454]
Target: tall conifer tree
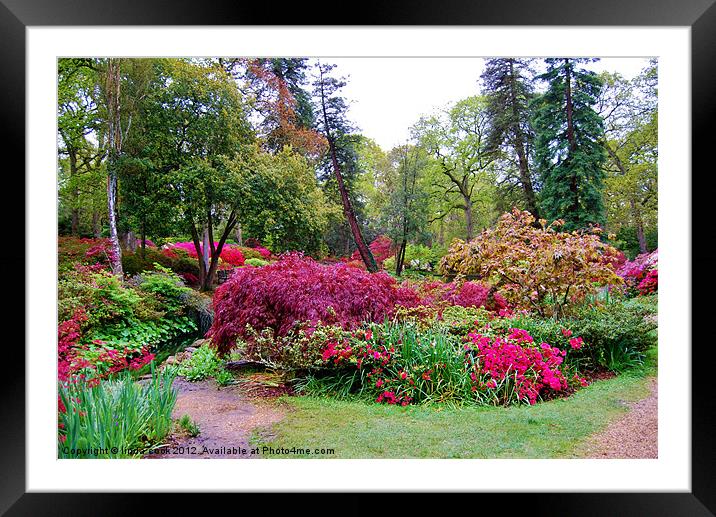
[568, 149]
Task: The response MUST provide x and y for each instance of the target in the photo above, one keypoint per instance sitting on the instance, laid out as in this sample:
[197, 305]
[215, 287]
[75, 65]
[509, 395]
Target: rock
[170, 360]
[196, 344]
[190, 349]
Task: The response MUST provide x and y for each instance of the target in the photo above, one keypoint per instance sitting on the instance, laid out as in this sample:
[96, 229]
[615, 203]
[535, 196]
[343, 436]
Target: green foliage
[281, 204]
[204, 363]
[418, 257]
[115, 413]
[616, 335]
[188, 425]
[256, 262]
[134, 263]
[299, 349]
[250, 253]
[568, 145]
[164, 285]
[136, 334]
[630, 109]
[462, 320]
[461, 176]
[224, 377]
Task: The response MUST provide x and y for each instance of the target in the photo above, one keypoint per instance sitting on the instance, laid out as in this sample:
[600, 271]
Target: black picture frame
[699, 15]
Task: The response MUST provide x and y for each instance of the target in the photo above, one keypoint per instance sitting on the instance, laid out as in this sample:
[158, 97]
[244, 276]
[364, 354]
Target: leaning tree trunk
[363, 249]
[115, 148]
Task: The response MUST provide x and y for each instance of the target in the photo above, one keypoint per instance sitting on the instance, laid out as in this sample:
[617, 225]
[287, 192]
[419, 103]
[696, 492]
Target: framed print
[216, 93]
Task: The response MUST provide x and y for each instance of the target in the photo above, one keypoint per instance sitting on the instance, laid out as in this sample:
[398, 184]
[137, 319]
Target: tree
[406, 210]
[458, 143]
[78, 119]
[195, 131]
[568, 144]
[280, 202]
[629, 109]
[284, 104]
[508, 89]
[333, 124]
[112, 93]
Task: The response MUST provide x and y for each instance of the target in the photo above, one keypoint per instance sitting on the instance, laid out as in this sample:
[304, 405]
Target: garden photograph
[357, 258]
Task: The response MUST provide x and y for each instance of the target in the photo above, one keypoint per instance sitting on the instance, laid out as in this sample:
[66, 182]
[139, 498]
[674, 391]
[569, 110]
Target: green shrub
[223, 377]
[111, 301]
[299, 349]
[133, 263]
[204, 363]
[616, 334]
[117, 413]
[462, 320]
[256, 262]
[178, 261]
[250, 253]
[135, 334]
[165, 285]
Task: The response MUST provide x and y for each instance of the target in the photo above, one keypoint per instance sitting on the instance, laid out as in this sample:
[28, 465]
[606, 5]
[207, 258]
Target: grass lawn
[359, 429]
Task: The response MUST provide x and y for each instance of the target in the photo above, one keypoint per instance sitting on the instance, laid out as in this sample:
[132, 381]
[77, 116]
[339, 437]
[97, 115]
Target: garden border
[16, 15]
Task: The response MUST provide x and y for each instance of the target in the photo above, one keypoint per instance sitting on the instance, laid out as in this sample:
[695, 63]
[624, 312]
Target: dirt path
[633, 436]
[226, 417]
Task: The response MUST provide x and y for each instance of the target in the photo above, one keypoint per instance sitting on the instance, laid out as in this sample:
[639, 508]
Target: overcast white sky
[388, 95]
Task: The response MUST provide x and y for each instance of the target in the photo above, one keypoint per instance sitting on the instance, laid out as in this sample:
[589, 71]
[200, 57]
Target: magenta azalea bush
[641, 274]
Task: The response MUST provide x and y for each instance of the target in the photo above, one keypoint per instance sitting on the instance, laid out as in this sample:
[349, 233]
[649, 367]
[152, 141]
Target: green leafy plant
[203, 364]
[223, 377]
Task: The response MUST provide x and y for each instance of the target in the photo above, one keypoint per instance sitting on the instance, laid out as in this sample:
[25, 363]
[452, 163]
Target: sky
[388, 95]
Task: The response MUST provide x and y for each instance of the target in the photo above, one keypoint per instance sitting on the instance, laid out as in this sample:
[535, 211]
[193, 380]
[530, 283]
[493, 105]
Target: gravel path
[633, 436]
[226, 419]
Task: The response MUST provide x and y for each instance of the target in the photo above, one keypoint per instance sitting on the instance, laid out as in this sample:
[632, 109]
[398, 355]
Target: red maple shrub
[299, 289]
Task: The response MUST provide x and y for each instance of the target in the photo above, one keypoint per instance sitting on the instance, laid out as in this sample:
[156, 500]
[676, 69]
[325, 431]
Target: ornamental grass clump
[117, 418]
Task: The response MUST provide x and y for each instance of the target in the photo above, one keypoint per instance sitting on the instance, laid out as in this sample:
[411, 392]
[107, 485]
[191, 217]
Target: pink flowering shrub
[513, 368]
[230, 254]
[650, 283]
[466, 294]
[636, 272]
[265, 253]
[381, 248]
[84, 251]
[397, 365]
[299, 289]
